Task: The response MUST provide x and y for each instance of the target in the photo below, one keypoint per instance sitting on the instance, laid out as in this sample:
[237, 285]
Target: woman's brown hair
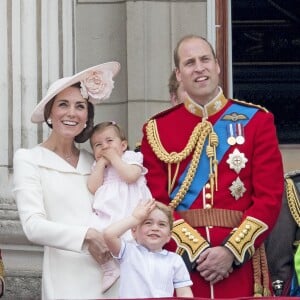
[87, 131]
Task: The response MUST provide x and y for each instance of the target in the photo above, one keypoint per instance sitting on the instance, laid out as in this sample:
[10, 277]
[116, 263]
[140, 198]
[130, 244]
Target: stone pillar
[153, 29]
[100, 37]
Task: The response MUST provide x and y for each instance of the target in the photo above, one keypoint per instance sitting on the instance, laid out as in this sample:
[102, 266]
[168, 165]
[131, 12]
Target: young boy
[155, 271]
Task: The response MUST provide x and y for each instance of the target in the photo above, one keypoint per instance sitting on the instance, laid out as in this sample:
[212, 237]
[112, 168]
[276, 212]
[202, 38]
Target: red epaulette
[165, 112]
[242, 102]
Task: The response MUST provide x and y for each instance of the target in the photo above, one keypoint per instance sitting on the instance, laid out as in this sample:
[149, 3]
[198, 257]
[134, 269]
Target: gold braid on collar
[196, 142]
[293, 200]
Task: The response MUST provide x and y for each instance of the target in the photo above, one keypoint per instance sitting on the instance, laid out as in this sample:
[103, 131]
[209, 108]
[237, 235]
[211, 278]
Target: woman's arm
[29, 192]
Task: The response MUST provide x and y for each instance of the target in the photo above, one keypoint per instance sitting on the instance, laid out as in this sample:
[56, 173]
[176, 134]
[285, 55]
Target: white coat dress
[55, 207]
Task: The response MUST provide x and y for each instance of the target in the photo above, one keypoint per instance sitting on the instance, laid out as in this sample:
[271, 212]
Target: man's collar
[209, 109]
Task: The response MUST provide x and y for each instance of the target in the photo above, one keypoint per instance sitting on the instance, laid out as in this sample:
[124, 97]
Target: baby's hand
[110, 154]
[143, 209]
[102, 161]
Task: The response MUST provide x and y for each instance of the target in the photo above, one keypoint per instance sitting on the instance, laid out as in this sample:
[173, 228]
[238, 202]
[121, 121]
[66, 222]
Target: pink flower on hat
[97, 86]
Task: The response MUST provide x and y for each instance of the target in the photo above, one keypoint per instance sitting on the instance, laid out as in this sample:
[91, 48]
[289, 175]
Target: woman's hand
[97, 246]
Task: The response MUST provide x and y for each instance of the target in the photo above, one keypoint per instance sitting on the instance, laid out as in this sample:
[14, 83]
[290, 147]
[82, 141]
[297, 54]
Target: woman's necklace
[73, 155]
[68, 157]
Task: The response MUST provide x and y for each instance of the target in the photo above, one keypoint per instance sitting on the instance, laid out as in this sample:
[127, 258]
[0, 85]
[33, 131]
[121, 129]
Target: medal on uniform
[237, 161]
[231, 135]
[240, 139]
[237, 188]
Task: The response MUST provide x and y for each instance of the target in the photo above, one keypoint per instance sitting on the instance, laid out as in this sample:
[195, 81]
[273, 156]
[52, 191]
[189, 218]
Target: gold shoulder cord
[250, 104]
[292, 199]
[196, 142]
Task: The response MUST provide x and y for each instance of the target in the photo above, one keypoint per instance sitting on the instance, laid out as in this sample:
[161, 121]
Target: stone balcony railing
[22, 259]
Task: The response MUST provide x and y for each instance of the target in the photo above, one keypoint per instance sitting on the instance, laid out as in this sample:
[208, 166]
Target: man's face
[198, 70]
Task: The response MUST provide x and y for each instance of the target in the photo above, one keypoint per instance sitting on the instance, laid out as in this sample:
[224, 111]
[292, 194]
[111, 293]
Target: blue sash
[202, 173]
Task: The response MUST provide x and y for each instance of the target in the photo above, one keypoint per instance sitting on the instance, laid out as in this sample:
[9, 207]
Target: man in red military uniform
[216, 161]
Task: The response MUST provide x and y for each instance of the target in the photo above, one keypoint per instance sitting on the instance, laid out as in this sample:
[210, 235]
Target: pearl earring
[49, 121]
[85, 125]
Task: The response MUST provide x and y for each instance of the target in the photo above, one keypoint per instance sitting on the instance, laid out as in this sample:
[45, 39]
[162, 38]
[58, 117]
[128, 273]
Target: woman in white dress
[50, 186]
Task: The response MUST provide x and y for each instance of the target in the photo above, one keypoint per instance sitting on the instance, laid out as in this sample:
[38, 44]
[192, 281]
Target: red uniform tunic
[261, 175]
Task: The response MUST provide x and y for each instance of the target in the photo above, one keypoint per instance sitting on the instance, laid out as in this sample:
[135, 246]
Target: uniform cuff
[189, 239]
[241, 240]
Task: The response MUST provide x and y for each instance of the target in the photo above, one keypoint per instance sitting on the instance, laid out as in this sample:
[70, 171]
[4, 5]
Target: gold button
[245, 231]
[207, 186]
[183, 229]
[241, 235]
[208, 196]
[237, 240]
[207, 206]
[248, 226]
[195, 241]
[187, 233]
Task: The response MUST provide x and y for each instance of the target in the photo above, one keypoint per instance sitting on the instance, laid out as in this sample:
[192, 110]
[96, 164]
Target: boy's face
[154, 232]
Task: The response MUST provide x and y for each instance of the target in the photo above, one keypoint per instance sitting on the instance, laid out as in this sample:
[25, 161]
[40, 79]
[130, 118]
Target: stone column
[100, 37]
[153, 29]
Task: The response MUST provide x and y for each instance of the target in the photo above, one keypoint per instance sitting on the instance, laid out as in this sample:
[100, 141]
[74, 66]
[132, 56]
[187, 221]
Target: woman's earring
[49, 121]
[84, 125]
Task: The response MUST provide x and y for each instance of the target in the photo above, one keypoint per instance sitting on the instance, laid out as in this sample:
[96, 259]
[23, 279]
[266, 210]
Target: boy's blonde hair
[167, 210]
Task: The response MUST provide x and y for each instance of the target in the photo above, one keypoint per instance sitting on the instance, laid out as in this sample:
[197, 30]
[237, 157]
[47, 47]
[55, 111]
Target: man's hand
[215, 264]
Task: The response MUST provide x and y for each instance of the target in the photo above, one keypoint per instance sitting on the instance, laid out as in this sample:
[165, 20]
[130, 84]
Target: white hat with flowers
[96, 85]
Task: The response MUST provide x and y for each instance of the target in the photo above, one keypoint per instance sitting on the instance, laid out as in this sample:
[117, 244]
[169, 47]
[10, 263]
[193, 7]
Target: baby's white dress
[115, 199]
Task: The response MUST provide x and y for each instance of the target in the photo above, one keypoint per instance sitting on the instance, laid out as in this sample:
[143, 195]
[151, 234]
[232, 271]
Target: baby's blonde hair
[103, 125]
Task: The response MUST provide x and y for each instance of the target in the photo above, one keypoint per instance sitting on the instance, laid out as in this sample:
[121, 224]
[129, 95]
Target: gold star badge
[237, 160]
